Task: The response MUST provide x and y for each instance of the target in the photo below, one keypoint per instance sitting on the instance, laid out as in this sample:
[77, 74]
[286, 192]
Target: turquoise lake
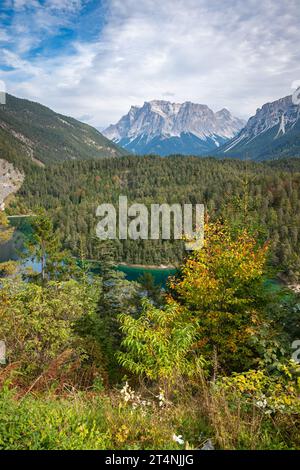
[160, 275]
[9, 251]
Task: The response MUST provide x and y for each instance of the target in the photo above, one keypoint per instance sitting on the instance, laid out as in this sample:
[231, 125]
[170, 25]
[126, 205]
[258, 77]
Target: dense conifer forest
[265, 195]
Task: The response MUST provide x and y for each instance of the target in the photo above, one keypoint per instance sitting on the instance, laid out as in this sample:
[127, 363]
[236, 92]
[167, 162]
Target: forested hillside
[264, 196]
[30, 131]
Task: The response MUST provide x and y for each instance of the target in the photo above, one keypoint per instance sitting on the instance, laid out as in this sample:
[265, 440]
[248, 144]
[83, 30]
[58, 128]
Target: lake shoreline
[138, 266]
[147, 266]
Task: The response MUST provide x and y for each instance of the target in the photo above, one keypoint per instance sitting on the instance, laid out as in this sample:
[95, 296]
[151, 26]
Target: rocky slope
[10, 181]
[273, 132]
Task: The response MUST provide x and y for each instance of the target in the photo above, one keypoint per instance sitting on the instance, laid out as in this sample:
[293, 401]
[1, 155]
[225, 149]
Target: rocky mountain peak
[262, 137]
[161, 120]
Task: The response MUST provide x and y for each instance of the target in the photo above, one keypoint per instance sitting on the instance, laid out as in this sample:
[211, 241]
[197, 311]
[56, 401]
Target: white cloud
[67, 5]
[32, 22]
[236, 54]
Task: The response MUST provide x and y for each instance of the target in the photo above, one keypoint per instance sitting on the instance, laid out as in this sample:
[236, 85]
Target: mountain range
[163, 128]
[30, 131]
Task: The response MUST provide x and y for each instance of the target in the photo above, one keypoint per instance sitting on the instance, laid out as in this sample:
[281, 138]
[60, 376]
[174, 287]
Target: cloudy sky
[93, 59]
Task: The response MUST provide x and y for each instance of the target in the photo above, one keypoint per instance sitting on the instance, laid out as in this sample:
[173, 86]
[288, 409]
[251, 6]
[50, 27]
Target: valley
[150, 231]
[79, 313]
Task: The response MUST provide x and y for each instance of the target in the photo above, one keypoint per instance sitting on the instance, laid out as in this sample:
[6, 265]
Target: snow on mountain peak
[164, 119]
[261, 137]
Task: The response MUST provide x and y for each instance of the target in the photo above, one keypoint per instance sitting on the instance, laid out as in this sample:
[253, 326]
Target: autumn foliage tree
[222, 286]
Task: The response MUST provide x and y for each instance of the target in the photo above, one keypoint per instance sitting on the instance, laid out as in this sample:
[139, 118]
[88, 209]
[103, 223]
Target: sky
[93, 59]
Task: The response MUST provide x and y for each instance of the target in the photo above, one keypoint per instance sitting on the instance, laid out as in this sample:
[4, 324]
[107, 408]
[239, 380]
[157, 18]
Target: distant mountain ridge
[34, 132]
[163, 127]
[273, 132]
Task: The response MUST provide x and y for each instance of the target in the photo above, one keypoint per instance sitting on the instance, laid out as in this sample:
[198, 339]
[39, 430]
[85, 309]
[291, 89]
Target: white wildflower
[161, 398]
[133, 398]
[178, 439]
[261, 403]
[127, 393]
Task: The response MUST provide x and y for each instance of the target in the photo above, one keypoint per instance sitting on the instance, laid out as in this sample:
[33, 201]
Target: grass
[96, 420]
[83, 421]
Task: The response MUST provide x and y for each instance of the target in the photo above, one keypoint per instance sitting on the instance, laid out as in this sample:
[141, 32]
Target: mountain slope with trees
[30, 131]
